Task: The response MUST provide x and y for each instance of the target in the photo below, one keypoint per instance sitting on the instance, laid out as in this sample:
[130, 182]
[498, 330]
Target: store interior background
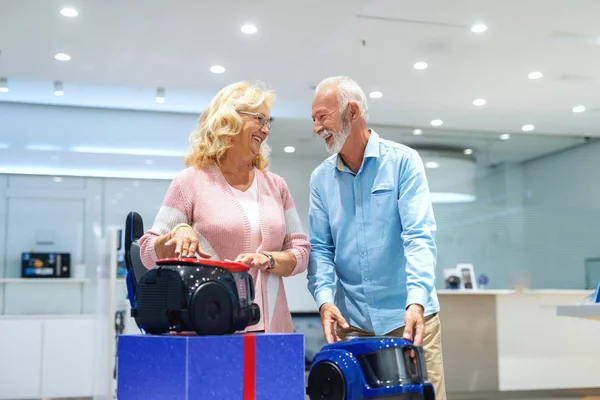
[73, 166]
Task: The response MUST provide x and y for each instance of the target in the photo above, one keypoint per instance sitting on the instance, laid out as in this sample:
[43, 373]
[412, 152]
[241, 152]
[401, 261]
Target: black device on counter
[453, 282]
[45, 265]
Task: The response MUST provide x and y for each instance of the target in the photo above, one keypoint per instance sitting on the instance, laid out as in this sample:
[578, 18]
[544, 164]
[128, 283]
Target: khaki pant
[432, 347]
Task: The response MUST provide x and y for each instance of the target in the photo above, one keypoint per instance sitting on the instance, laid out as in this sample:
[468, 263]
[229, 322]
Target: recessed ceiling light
[479, 102]
[43, 147]
[376, 95]
[289, 149]
[468, 152]
[217, 69]
[579, 109]
[160, 95]
[505, 136]
[417, 132]
[62, 57]
[69, 12]
[249, 29]
[149, 162]
[528, 128]
[478, 28]
[3, 85]
[437, 122]
[535, 75]
[57, 179]
[431, 164]
[58, 88]
[420, 65]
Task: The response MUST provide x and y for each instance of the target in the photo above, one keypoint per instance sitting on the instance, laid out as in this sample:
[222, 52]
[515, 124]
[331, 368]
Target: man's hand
[331, 317]
[414, 321]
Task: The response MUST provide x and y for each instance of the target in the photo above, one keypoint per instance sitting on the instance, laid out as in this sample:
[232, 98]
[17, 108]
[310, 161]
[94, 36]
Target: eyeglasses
[262, 120]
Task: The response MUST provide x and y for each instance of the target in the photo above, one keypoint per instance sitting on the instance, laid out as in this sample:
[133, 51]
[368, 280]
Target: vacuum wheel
[212, 310]
[326, 382]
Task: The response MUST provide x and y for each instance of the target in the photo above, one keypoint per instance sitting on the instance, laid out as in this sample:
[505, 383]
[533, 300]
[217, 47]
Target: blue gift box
[242, 366]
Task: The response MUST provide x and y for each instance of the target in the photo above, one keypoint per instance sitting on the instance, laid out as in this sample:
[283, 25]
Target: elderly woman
[226, 206]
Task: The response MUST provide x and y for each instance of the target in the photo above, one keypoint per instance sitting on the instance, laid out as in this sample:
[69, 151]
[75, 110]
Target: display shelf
[35, 317]
[586, 310]
[43, 280]
[494, 292]
[62, 296]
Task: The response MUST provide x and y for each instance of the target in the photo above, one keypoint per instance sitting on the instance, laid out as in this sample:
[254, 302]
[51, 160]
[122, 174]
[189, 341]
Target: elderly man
[371, 226]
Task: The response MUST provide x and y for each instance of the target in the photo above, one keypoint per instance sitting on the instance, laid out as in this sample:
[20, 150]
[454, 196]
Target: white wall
[487, 233]
[533, 224]
[76, 212]
[563, 215]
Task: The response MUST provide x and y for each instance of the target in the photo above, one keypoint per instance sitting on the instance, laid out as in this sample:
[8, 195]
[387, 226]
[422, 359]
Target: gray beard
[339, 139]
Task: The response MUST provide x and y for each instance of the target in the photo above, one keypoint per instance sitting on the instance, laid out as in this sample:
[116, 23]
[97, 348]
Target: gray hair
[348, 90]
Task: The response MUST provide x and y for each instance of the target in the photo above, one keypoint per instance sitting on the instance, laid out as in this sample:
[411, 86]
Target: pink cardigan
[202, 198]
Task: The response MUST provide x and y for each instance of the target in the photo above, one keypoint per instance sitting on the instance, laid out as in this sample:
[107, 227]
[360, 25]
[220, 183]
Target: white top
[249, 201]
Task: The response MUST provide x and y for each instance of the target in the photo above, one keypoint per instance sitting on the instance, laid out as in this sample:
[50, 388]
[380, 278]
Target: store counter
[509, 340]
[585, 310]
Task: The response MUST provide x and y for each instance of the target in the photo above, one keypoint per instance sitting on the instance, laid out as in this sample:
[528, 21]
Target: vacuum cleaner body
[186, 294]
[369, 368]
[195, 295]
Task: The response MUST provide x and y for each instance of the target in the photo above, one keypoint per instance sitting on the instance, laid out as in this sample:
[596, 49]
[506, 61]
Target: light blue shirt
[372, 235]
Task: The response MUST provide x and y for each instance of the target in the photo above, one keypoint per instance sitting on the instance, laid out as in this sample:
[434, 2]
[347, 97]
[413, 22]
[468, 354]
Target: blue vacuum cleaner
[369, 368]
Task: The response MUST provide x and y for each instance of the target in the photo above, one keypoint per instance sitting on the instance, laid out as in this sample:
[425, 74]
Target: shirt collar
[371, 151]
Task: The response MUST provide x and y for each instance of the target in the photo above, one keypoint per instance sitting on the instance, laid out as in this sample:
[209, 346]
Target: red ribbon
[249, 367]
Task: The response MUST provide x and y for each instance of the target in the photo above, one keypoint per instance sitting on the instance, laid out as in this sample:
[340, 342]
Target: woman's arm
[284, 261]
[293, 257]
[159, 245]
[295, 241]
[174, 211]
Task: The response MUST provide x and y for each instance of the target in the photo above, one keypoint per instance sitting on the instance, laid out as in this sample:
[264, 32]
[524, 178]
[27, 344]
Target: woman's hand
[184, 243]
[254, 260]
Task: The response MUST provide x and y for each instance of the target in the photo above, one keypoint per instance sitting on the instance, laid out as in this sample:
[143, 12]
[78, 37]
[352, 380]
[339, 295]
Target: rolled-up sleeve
[295, 240]
[418, 230]
[321, 267]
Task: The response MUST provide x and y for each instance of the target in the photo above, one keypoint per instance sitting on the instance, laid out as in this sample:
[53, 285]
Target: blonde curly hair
[220, 123]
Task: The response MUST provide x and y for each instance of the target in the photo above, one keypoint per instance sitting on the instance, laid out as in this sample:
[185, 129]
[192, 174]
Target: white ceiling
[122, 51]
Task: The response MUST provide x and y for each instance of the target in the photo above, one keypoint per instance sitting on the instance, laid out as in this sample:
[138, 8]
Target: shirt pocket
[384, 206]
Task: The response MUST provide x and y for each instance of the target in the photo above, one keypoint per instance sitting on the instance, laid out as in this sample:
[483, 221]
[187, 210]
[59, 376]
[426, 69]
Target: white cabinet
[67, 357]
[45, 357]
[20, 359]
